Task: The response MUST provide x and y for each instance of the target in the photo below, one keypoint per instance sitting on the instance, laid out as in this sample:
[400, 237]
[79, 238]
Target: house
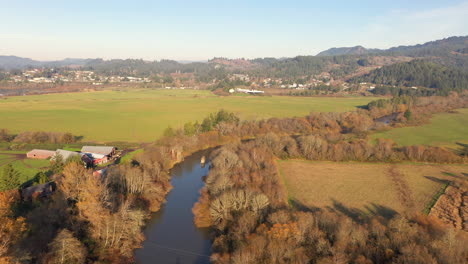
[40, 154]
[108, 151]
[38, 191]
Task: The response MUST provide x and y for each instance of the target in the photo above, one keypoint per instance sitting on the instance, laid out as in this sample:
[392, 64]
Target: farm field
[366, 188]
[26, 167]
[445, 129]
[142, 115]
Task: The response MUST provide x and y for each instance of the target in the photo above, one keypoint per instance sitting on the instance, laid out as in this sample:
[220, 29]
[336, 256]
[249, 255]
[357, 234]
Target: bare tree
[65, 248]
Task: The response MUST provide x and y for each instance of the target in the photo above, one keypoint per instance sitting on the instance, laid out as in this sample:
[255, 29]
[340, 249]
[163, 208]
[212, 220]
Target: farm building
[98, 158]
[66, 154]
[108, 151]
[40, 154]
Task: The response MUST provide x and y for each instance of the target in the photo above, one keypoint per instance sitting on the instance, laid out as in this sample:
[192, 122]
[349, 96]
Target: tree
[408, 114]
[11, 229]
[169, 132]
[65, 248]
[9, 179]
[41, 178]
[56, 166]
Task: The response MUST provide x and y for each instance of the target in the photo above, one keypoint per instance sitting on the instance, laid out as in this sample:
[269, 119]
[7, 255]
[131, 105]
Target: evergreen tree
[408, 114]
[9, 179]
[41, 178]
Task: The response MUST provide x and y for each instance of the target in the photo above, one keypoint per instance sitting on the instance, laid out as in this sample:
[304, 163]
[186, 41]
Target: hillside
[14, 62]
[417, 73]
[340, 63]
[442, 47]
[357, 50]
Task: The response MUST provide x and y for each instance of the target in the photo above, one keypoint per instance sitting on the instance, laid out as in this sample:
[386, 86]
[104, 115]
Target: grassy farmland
[26, 167]
[365, 188]
[142, 115]
[445, 129]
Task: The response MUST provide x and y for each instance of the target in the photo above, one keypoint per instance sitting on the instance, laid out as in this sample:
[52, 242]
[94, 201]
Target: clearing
[445, 129]
[366, 188]
[142, 115]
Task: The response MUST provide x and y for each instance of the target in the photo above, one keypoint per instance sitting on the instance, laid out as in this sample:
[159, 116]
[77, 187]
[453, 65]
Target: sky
[203, 29]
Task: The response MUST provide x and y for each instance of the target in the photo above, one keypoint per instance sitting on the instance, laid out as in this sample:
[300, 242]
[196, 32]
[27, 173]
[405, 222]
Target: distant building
[40, 154]
[248, 91]
[108, 151]
[98, 158]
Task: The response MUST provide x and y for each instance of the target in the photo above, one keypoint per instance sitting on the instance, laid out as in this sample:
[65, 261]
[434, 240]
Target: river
[171, 236]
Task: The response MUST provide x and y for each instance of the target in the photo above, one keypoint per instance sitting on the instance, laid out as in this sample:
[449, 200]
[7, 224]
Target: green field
[142, 115]
[26, 167]
[445, 129]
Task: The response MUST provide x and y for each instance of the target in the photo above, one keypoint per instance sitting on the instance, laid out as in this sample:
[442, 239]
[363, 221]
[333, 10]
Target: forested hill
[418, 73]
[357, 50]
[340, 63]
[442, 47]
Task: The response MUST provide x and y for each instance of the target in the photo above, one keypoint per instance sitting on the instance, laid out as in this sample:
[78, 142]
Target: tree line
[37, 137]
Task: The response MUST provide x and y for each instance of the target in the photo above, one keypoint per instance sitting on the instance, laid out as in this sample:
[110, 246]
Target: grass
[142, 115]
[129, 156]
[366, 188]
[28, 168]
[445, 129]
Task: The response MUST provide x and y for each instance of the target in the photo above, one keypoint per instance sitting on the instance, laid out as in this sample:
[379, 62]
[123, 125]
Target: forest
[416, 73]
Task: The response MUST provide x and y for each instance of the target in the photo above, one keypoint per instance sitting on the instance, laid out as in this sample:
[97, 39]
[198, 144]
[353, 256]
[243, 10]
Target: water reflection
[171, 236]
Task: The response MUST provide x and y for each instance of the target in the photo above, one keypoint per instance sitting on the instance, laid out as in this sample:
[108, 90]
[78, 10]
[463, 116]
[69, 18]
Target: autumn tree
[65, 248]
[11, 228]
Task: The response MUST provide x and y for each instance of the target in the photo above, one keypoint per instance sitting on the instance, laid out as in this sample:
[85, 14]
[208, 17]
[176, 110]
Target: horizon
[182, 61]
[208, 29]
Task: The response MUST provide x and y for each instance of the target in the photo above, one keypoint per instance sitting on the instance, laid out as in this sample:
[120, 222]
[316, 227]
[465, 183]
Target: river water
[171, 236]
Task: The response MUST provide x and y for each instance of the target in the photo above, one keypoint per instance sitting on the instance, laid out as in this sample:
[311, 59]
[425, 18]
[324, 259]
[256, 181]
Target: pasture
[142, 115]
[444, 129]
[360, 189]
[28, 168]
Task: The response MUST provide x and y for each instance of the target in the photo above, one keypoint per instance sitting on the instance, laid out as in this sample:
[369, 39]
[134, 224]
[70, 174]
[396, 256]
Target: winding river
[171, 236]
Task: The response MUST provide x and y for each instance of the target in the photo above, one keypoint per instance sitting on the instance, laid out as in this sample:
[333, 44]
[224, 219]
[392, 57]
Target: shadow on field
[356, 214]
[441, 181]
[359, 215]
[302, 207]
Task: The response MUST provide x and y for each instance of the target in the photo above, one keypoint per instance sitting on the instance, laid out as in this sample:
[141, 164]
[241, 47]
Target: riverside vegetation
[100, 220]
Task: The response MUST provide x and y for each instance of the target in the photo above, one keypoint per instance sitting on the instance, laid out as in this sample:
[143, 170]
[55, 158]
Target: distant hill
[357, 50]
[14, 62]
[440, 47]
[419, 73]
[340, 63]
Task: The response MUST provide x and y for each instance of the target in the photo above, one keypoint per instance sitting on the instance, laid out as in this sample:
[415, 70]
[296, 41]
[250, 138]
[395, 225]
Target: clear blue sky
[202, 29]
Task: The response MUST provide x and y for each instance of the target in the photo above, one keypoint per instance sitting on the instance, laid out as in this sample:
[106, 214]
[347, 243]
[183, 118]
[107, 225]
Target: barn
[40, 154]
[108, 151]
